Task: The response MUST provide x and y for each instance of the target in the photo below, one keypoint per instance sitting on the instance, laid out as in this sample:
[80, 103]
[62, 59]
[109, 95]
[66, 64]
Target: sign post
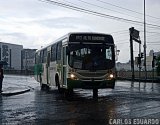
[134, 35]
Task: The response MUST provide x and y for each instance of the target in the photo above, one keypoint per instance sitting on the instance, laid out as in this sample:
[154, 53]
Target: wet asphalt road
[127, 102]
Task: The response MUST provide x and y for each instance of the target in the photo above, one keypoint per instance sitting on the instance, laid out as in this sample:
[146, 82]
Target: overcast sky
[34, 23]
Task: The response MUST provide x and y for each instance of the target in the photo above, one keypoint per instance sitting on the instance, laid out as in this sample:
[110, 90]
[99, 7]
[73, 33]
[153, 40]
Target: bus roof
[67, 36]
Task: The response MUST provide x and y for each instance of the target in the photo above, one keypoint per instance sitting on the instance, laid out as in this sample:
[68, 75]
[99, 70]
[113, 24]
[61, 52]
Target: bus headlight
[73, 76]
[111, 76]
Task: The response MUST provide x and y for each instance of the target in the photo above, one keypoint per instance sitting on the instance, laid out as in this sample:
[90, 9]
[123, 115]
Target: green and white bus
[77, 60]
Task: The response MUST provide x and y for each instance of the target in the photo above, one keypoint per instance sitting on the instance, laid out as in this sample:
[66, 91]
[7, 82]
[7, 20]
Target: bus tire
[68, 93]
[113, 85]
[42, 86]
[95, 93]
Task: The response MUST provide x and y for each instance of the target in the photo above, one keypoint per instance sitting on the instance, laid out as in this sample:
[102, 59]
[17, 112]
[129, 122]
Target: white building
[149, 59]
[125, 66]
[11, 53]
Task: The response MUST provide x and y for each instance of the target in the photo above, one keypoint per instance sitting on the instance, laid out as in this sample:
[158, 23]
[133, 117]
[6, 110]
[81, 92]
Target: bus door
[48, 68]
[64, 69]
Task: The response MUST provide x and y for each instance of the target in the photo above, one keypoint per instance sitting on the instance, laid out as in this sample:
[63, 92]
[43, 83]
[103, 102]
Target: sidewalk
[14, 91]
[13, 85]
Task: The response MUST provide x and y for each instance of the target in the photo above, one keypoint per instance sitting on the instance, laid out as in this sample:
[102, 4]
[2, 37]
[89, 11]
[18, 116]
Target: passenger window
[59, 48]
[53, 52]
[44, 59]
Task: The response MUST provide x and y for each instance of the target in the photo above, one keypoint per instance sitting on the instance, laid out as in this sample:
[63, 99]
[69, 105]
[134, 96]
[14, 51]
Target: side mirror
[116, 53]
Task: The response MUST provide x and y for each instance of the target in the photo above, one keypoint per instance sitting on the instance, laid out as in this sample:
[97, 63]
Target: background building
[11, 53]
[149, 59]
[28, 59]
[125, 66]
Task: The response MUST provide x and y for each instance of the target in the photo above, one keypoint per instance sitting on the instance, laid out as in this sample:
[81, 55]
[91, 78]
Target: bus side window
[44, 59]
[36, 58]
[59, 48]
[48, 58]
[41, 56]
[53, 52]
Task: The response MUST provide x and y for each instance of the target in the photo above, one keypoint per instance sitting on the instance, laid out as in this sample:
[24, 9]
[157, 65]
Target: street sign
[135, 34]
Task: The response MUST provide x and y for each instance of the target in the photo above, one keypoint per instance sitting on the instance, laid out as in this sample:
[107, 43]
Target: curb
[15, 93]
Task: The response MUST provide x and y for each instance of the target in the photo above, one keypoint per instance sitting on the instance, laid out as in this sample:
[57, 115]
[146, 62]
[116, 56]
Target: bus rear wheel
[44, 87]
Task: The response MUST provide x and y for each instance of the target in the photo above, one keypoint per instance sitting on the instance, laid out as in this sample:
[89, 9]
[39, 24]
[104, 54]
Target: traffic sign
[135, 34]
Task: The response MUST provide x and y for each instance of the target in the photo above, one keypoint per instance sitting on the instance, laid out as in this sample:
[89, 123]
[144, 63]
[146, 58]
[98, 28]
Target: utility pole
[153, 65]
[131, 52]
[139, 57]
[145, 41]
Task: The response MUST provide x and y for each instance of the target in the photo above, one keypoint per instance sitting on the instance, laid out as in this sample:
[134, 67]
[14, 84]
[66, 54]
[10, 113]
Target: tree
[158, 65]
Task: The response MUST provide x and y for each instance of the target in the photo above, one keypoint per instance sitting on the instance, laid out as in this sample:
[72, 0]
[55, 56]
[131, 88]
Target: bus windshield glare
[91, 56]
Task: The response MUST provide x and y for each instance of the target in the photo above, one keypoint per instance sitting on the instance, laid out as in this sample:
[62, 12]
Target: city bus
[77, 60]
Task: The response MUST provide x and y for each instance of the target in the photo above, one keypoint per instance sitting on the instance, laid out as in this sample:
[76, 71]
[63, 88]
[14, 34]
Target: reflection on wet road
[127, 101]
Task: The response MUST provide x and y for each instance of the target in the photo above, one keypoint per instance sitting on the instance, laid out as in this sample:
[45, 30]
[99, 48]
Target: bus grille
[92, 74]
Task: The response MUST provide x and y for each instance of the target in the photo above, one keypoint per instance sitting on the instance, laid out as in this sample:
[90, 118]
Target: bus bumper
[90, 84]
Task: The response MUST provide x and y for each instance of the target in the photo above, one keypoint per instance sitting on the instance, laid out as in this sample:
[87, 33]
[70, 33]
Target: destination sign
[84, 38]
[90, 38]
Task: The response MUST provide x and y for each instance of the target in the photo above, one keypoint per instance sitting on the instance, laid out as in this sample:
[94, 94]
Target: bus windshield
[91, 56]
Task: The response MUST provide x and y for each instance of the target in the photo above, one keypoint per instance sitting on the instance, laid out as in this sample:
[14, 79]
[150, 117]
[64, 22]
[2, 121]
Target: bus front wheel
[113, 85]
[44, 87]
[68, 93]
[95, 93]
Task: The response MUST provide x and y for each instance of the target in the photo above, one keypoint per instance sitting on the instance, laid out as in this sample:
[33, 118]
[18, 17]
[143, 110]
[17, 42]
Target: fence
[138, 75]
